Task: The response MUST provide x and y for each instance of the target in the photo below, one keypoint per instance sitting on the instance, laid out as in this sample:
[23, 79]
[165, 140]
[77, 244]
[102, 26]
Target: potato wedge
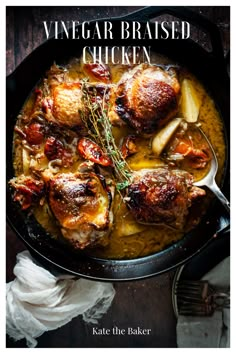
[163, 136]
[190, 102]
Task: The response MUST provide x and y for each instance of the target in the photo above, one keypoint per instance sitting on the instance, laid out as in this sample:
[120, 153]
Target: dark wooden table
[145, 303]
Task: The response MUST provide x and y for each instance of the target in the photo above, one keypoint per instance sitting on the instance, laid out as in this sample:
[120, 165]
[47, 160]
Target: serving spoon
[209, 179]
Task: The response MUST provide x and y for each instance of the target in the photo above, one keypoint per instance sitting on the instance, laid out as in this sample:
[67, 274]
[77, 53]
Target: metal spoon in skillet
[209, 179]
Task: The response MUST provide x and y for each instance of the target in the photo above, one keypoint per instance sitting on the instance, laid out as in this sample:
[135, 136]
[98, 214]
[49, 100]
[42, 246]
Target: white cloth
[37, 301]
[208, 332]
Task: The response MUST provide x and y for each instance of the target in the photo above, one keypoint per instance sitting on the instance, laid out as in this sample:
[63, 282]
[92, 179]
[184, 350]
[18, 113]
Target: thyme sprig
[96, 120]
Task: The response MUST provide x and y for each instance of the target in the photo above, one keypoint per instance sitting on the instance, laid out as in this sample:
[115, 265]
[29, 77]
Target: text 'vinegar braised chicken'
[106, 156]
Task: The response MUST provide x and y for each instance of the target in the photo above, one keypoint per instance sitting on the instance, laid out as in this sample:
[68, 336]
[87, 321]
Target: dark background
[144, 303]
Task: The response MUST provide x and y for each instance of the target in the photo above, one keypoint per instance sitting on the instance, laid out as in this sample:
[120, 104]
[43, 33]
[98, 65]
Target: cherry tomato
[196, 158]
[98, 71]
[91, 151]
[34, 133]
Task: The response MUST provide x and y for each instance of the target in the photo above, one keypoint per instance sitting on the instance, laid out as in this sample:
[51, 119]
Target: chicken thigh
[64, 104]
[162, 196]
[145, 98]
[81, 203]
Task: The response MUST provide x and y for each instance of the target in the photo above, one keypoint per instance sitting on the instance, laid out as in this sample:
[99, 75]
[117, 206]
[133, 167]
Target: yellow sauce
[129, 239]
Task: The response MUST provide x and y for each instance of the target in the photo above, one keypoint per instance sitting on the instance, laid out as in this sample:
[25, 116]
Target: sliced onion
[175, 157]
[54, 169]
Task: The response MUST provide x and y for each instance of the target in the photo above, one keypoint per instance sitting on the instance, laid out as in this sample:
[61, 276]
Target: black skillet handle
[150, 12]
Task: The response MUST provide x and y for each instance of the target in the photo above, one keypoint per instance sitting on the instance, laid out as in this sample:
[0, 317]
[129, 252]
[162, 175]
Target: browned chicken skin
[162, 196]
[64, 104]
[81, 203]
[145, 98]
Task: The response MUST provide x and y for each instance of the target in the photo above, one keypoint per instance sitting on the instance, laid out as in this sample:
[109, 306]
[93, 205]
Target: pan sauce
[128, 238]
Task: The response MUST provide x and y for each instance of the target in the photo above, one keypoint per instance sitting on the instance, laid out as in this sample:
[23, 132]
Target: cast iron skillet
[207, 66]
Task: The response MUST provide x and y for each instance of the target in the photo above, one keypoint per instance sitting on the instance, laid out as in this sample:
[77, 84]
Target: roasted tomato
[197, 158]
[27, 190]
[100, 71]
[34, 133]
[91, 151]
[53, 149]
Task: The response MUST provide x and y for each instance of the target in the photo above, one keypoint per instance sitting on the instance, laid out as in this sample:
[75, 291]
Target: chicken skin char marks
[81, 203]
[162, 196]
[145, 99]
[64, 105]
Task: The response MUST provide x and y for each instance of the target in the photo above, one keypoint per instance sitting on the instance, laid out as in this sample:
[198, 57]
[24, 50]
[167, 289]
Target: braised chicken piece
[162, 196]
[27, 190]
[57, 100]
[64, 104]
[145, 98]
[81, 203]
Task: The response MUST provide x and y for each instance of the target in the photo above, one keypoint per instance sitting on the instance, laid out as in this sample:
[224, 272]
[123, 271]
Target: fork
[200, 298]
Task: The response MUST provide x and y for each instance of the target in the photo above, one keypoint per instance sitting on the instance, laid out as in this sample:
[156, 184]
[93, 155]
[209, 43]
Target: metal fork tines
[193, 290]
[200, 298]
[194, 309]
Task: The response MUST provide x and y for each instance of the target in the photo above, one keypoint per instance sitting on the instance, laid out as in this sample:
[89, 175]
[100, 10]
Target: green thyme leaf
[99, 127]
[122, 185]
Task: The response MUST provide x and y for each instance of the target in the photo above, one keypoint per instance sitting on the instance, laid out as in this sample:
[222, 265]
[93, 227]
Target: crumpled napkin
[208, 332]
[37, 301]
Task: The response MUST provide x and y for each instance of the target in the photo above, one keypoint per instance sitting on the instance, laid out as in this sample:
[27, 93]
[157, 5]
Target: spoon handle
[216, 190]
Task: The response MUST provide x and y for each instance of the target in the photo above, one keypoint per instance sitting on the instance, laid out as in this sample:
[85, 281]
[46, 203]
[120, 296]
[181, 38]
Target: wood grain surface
[145, 303]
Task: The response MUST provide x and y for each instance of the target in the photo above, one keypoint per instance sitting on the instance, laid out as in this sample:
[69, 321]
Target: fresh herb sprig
[96, 120]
